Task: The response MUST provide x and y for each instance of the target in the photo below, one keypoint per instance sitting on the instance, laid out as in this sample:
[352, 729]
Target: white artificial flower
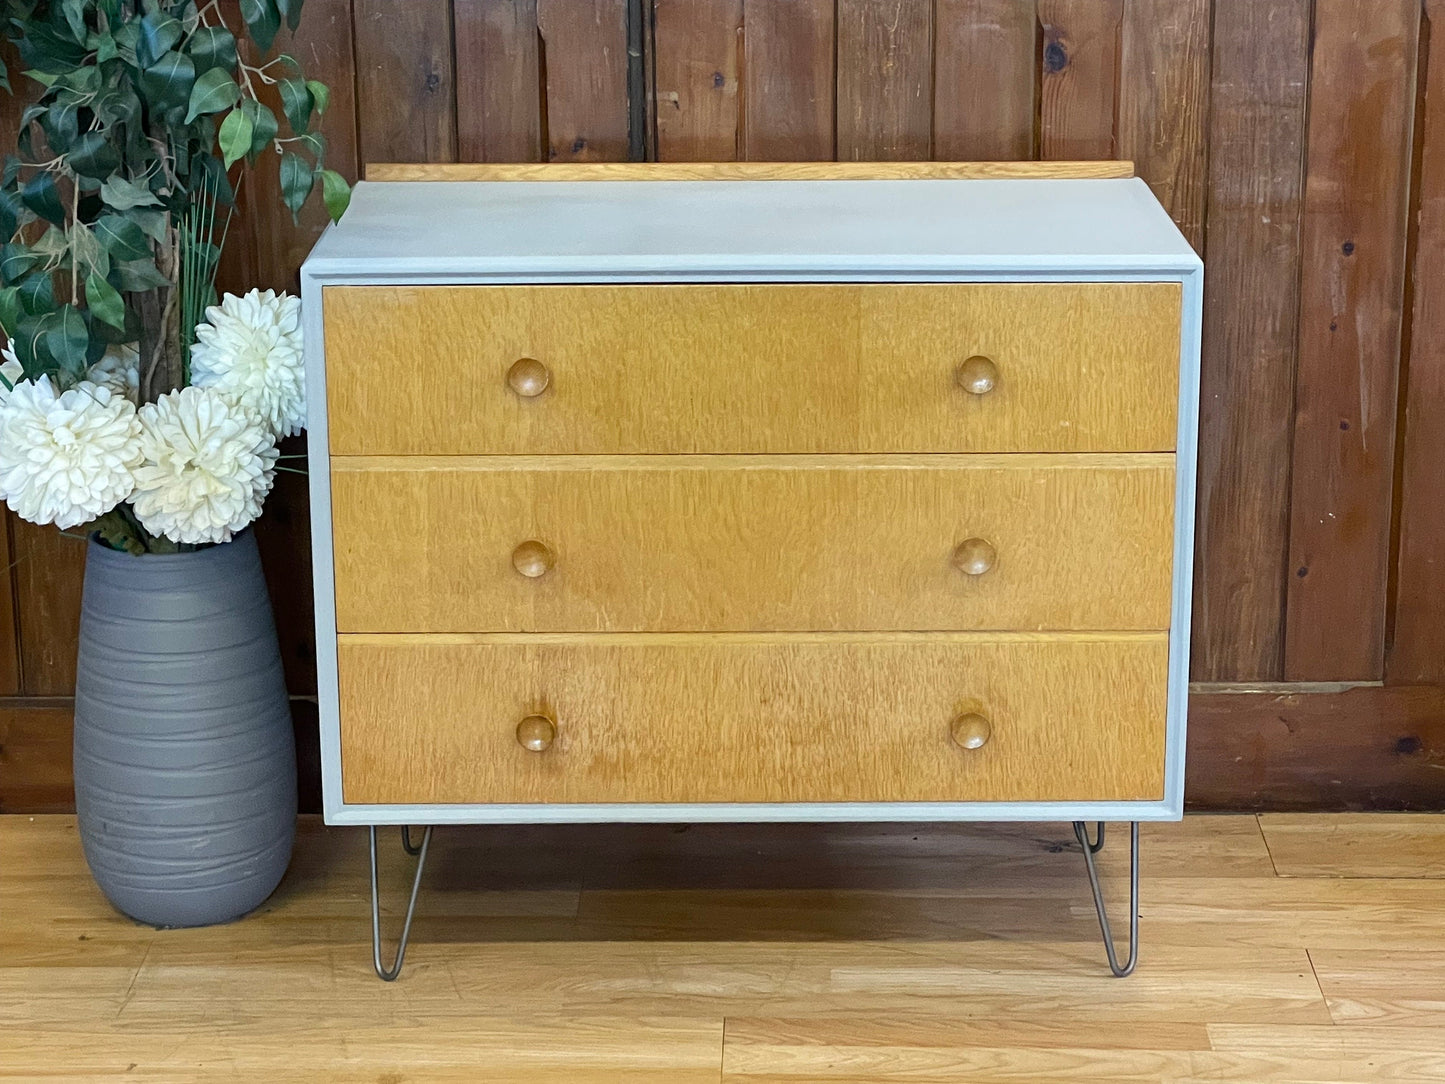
[250, 349]
[66, 458]
[118, 370]
[11, 370]
[209, 463]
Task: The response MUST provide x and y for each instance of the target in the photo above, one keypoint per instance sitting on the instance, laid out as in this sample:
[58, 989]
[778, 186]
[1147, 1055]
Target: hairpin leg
[1090, 849]
[384, 973]
[414, 850]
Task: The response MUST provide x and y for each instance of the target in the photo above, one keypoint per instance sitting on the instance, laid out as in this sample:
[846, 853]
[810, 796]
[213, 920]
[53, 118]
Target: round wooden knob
[533, 559]
[528, 377]
[971, 730]
[974, 556]
[977, 375]
[536, 733]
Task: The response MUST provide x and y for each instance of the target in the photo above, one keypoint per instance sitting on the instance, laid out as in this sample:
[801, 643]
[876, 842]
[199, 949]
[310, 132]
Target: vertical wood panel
[983, 92]
[35, 757]
[1251, 319]
[1351, 301]
[499, 82]
[1080, 80]
[49, 569]
[1164, 103]
[405, 86]
[697, 58]
[323, 44]
[585, 43]
[789, 81]
[11, 106]
[240, 261]
[9, 633]
[1417, 650]
[885, 80]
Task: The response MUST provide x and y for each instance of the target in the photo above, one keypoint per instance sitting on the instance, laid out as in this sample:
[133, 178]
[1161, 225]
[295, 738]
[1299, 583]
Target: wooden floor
[1279, 948]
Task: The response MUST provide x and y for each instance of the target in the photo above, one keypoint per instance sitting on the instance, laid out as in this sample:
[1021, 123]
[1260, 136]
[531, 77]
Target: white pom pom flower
[10, 369]
[208, 464]
[66, 458]
[118, 370]
[250, 348]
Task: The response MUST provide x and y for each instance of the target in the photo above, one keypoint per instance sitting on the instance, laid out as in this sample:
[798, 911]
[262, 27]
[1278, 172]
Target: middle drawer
[752, 543]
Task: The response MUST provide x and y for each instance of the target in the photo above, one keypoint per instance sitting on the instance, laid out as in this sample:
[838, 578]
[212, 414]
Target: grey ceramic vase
[185, 759]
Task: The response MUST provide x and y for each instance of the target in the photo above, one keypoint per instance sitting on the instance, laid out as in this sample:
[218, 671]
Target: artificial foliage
[115, 205]
[114, 210]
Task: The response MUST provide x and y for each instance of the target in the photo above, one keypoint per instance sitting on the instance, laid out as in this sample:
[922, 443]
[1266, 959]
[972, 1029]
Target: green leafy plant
[115, 209]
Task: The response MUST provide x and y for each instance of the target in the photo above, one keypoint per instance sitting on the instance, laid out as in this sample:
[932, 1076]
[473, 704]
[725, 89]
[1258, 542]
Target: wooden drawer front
[752, 368]
[841, 718]
[740, 543]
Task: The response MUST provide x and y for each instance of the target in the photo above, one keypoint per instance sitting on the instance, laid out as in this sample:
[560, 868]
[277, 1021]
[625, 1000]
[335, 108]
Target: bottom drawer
[826, 717]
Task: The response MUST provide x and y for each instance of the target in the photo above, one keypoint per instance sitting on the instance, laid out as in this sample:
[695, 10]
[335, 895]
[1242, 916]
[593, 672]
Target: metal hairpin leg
[389, 974]
[1092, 848]
[413, 850]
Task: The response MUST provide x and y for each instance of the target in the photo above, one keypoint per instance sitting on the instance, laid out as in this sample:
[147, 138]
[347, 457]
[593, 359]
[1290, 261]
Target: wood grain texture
[9, 626]
[35, 741]
[752, 718]
[1279, 749]
[884, 1049]
[1416, 648]
[747, 171]
[592, 954]
[1080, 81]
[1351, 306]
[1164, 77]
[1355, 845]
[697, 50]
[584, 46]
[789, 81]
[1251, 318]
[729, 368]
[742, 543]
[885, 80]
[499, 80]
[1384, 989]
[405, 82]
[325, 47]
[985, 69]
[49, 571]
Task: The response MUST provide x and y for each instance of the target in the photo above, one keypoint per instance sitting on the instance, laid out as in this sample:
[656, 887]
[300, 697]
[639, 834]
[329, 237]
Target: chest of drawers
[752, 500]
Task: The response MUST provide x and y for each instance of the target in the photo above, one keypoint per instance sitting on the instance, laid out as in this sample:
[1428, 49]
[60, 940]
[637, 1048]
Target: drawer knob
[974, 556]
[533, 559]
[971, 730]
[536, 733]
[977, 375]
[528, 377]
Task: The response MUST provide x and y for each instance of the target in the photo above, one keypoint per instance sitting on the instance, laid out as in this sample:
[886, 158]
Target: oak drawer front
[840, 718]
[752, 368]
[745, 543]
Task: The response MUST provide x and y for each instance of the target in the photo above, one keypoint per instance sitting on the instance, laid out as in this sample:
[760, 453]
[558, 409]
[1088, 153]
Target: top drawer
[753, 368]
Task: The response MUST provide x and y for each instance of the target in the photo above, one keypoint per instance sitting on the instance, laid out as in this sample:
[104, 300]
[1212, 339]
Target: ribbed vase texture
[185, 760]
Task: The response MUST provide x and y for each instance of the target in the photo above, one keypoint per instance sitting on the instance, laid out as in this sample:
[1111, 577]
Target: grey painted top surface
[730, 227]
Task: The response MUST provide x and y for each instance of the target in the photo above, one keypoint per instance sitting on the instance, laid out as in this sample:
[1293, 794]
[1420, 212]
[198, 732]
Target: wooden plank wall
[1299, 145]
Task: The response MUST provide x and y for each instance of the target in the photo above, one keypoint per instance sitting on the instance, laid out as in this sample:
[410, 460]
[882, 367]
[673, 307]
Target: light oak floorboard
[1356, 844]
[1362, 986]
[748, 953]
